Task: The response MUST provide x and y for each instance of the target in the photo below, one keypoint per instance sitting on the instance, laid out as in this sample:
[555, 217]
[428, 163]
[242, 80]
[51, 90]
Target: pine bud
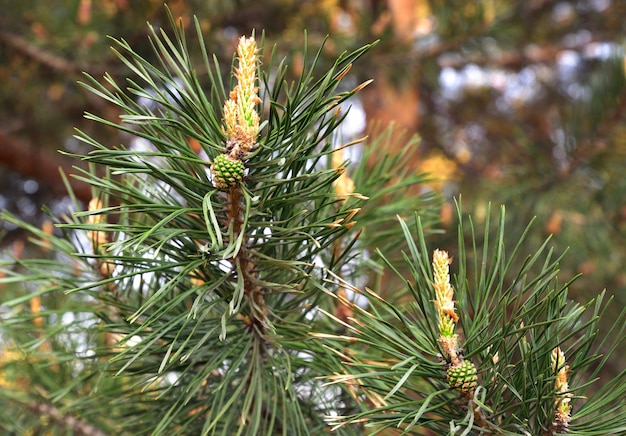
[97, 237]
[562, 414]
[462, 377]
[226, 171]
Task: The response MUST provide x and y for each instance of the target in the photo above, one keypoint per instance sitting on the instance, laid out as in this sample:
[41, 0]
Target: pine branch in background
[181, 301]
[482, 355]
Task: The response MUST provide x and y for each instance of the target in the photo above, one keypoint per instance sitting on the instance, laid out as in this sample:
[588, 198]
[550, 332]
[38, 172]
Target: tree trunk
[40, 164]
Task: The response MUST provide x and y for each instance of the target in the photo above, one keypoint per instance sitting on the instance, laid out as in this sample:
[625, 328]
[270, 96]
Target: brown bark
[42, 165]
[388, 103]
[391, 100]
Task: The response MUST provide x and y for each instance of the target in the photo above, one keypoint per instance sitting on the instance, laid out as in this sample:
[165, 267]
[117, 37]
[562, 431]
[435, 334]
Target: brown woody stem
[252, 292]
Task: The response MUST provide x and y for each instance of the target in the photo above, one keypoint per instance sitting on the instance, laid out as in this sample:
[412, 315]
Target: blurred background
[521, 103]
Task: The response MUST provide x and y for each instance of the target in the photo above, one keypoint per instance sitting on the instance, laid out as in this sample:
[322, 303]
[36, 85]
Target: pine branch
[69, 423]
[215, 266]
[484, 362]
[38, 54]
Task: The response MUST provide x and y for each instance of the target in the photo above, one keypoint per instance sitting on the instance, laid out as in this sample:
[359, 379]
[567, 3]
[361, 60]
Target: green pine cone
[226, 171]
[463, 377]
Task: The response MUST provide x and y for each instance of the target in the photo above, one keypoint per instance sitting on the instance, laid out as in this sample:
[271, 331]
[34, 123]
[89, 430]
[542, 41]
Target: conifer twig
[241, 126]
[74, 425]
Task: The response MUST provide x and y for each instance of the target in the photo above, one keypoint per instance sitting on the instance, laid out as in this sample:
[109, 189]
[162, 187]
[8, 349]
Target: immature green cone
[462, 377]
[227, 172]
